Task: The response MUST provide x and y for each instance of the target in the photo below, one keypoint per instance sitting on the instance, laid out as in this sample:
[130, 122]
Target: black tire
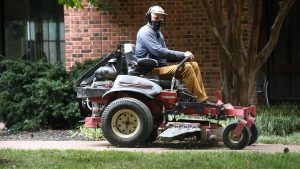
[235, 143]
[152, 137]
[154, 134]
[254, 134]
[127, 122]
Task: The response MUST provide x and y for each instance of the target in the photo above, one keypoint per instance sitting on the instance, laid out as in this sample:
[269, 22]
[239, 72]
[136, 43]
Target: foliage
[274, 139]
[36, 95]
[71, 3]
[285, 109]
[118, 159]
[79, 68]
[99, 4]
[39, 95]
[278, 120]
[93, 134]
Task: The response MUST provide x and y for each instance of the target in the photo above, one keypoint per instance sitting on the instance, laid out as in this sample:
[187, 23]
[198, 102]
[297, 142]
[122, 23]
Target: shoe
[207, 102]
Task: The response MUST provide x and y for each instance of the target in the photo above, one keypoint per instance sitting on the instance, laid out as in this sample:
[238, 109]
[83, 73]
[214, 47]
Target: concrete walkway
[105, 146]
[157, 147]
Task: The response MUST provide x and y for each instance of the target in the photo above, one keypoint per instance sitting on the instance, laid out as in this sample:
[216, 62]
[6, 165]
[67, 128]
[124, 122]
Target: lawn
[114, 159]
[273, 139]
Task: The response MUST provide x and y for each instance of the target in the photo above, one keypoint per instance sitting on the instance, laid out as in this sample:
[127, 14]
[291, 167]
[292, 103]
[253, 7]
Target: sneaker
[207, 102]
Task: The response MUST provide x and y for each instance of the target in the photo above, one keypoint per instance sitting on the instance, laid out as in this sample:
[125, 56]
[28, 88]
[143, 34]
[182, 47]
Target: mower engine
[107, 72]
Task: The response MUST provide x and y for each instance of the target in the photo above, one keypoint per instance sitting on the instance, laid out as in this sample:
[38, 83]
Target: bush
[36, 96]
[278, 120]
[79, 68]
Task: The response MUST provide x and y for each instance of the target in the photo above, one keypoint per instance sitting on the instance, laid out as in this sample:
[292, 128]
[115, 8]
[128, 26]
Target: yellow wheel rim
[125, 123]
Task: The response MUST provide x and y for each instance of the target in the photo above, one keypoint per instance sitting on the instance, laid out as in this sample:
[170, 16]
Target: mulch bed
[44, 135]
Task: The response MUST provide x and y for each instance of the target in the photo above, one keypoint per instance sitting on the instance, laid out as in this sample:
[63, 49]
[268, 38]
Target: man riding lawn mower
[136, 98]
[134, 107]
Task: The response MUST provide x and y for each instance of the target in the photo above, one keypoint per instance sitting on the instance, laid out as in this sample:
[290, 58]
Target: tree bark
[275, 30]
[239, 65]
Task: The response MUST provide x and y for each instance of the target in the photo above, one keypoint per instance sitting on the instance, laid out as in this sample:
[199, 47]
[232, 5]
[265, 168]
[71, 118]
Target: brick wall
[91, 34]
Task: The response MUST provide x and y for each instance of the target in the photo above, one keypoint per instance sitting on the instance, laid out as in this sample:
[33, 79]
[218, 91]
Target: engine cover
[106, 72]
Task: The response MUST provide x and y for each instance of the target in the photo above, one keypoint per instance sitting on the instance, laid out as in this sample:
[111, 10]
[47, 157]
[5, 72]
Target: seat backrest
[141, 66]
[137, 66]
[129, 50]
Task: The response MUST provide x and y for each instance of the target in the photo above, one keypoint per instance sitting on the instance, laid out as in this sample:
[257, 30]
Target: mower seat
[142, 66]
[137, 66]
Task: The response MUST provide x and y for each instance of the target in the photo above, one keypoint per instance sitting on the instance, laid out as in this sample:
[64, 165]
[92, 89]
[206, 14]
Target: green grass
[281, 119]
[114, 159]
[279, 124]
[274, 139]
[281, 109]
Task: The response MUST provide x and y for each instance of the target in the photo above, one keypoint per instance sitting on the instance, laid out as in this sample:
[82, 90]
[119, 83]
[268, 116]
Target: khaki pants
[189, 73]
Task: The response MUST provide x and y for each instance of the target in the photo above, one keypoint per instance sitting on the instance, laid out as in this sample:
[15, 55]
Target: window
[34, 30]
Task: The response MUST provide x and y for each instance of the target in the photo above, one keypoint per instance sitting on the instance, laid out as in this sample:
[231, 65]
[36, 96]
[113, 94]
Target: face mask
[156, 25]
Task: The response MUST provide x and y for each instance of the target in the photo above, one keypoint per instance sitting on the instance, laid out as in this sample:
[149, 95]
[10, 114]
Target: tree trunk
[237, 84]
[239, 65]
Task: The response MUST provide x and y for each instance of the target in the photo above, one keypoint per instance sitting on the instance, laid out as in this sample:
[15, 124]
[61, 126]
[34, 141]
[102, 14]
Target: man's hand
[189, 54]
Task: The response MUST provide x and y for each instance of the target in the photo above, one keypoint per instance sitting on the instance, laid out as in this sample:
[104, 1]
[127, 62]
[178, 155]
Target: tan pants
[189, 73]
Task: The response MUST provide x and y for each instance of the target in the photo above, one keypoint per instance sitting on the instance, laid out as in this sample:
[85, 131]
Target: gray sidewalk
[158, 148]
[105, 146]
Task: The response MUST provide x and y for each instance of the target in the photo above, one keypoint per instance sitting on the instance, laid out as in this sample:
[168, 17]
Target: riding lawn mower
[134, 107]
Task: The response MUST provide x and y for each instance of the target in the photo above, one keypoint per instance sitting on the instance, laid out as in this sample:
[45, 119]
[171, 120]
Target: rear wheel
[234, 142]
[254, 134]
[127, 122]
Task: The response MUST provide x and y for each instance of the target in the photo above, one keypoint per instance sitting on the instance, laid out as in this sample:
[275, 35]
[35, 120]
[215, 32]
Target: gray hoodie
[151, 44]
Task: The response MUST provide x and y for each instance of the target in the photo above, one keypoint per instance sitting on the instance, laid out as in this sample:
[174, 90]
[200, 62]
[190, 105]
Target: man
[151, 44]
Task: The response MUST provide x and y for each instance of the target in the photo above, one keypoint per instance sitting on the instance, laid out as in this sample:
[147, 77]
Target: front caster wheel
[127, 122]
[233, 142]
[254, 134]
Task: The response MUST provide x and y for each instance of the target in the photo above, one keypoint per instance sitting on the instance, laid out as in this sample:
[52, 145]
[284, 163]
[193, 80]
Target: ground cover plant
[115, 159]
[279, 124]
[283, 119]
[93, 134]
[275, 139]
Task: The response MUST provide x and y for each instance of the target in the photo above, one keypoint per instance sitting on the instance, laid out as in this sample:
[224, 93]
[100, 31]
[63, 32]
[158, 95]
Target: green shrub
[37, 95]
[79, 68]
[278, 120]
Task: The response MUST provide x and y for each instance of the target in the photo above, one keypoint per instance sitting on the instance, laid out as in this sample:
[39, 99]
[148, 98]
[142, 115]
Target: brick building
[90, 33]
[80, 34]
